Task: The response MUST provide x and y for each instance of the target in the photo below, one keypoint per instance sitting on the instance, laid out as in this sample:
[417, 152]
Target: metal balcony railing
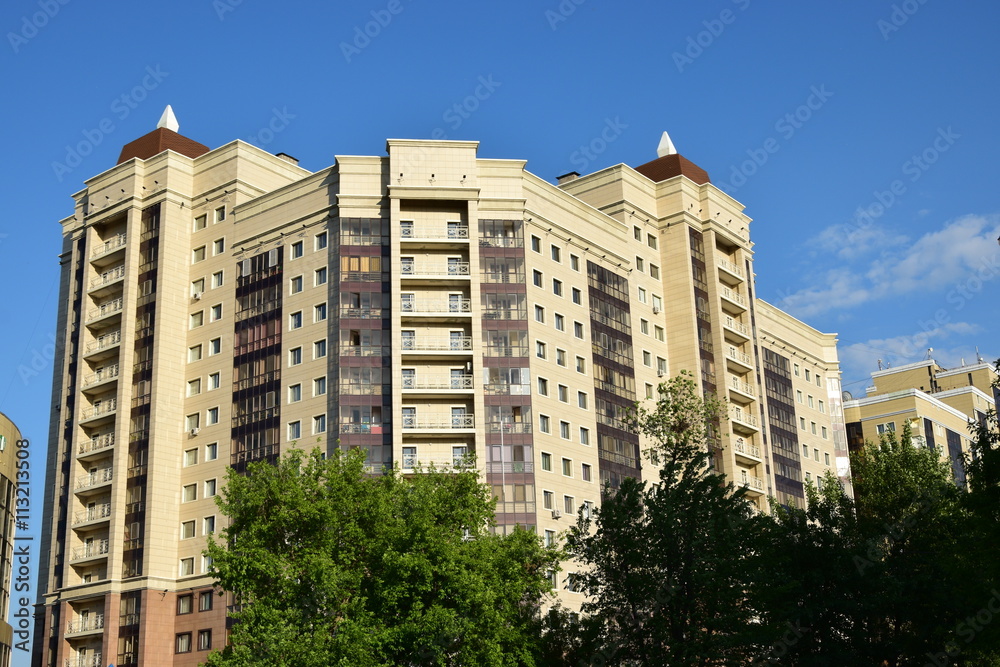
[89, 624]
[752, 482]
[436, 343]
[105, 408]
[107, 277]
[411, 461]
[107, 308]
[440, 382]
[434, 232]
[104, 342]
[97, 548]
[741, 446]
[94, 478]
[97, 443]
[439, 421]
[112, 244]
[741, 386]
[741, 357]
[435, 269]
[732, 295]
[92, 660]
[95, 513]
[347, 350]
[732, 268]
[744, 417]
[361, 313]
[735, 325]
[103, 375]
[436, 306]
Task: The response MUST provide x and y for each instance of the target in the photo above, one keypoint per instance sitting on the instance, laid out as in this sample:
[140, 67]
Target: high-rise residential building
[937, 404]
[10, 440]
[220, 306]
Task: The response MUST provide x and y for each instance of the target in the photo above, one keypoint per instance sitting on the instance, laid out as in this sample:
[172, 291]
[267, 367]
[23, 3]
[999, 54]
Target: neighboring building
[938, 405]
[9, 437]
[219, 306]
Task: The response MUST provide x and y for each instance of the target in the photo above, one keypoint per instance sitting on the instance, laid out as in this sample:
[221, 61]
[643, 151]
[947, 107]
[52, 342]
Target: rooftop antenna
[930, 351]
[979, 357]
[666, 146]
[879, 364]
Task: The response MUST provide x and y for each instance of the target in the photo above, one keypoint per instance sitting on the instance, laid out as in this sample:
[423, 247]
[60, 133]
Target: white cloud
[963, 250]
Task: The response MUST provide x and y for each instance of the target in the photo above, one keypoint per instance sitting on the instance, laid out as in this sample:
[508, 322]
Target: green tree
[336, 567]
[666, 563]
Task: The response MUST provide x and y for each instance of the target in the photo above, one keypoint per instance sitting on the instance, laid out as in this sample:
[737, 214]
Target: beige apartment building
[10, 444]
[937, 404]
[221, 306]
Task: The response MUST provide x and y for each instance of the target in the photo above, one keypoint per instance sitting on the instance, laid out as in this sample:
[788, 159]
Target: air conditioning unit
[656, 310]
[196, 296]
[194, 431]
[660, 374]
[556, 514]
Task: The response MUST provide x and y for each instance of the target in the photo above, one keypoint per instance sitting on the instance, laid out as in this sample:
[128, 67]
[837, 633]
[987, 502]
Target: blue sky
[860, 136]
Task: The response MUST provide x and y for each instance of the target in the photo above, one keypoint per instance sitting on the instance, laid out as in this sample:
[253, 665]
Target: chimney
[567, 178]
[288, 158]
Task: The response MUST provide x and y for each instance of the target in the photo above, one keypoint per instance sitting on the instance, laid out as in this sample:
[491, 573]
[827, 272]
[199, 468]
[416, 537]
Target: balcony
[436, 345]
[107, 278]
[742, 391]
[743, 421]
[106, 309]
[737, 330]
[348, 350]
[441, 422]
[102, 376]
[508, 427]
[752, 483]
[95, 513]
[116, 242]
[452, 232]
[510, 467]
[102, 345]
[742, 360]
[105, 409]
[91, 660]
[435, 384]
[358, 313]
[747, 450]
[97, 443]
[732, 301]
[94, 479]
[95, 549]
[84, 625]
[448, 308]
[729, 272]
[435, 271]
[351, 427]
[411, 463]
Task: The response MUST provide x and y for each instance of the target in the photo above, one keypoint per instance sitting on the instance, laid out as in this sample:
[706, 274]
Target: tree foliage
[335, 567]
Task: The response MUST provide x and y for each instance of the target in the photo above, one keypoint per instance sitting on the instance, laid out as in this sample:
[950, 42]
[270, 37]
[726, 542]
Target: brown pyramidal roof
[159, 140]
[672, 165]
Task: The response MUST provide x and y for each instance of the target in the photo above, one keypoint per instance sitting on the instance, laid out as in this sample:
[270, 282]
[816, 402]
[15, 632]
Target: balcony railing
[105, 408]
[107, 308]
[729, 266]
[508, 427]
[96, 548]
[434, 232]
[361, 313]
[351, 427]
[510, 467]
[431, 269]
[103, 375]
[501, 242]
[92, 660]
[733, 324]
[752, 482]
[107, 277]
[112, 244]
[347, 350]
[435, 306]
[97, 443]
[101, 476]
[411, 462]
[741, 446]
[438, 421]
[437, 343]
[104, 342]
[441, 382]
[732, 295]
[741, 386]
[744, 417]
[95, 513]
[741, 357]
[95, 622]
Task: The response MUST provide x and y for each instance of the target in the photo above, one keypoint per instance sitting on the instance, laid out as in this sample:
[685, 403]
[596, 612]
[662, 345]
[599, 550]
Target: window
[321, 239]
[319, 312]
[888, 427]
[198, 255]
[295, 285]
[197, 319]
[816, 454]
[212, 416]
[218, 246]
[651, 241]
[214, 346]
[187, 566]
[802, 423]
[319, 424]
[546, 461]
[654, 271]
[795, 370]
[295, 356]
[578, 329]
[581, 365]
[819, 383]
[197, 287]
[824, 432]
[657, 303]
[200, 222]
[204, 640]
[577, 296]
[295, 393]
[574, 262]
[564, 430]
[187, 530]
[557, 287]
[547, 499]
[214, 380]
[320, 276]
[319, 386]
[798, 396]
[642, 295]
[561, 357]
[184, 604]
[659, 333]
[182, 642]
[640, 264]
[220, 214]
[319, 349]
[808, 375]
[809, 476]
[543, 424]
[569, 505]
[584, 436]
[563, 393]
[543, 387]
[556, 253]
[536, 243]
[189, 493]
[644, 326]
[812, 427]
[647, 358]
[581, 399]
[649, 390]
[194, 353]
[661, 366]
[297, 249]
[826, 458]
[190, 457]
[536, 278]
[805, 451]
[550, 538]
[215, 314]
[206, 564]
[295, 320]
[205, 601]
[567, 467]
[585, 472]
[217, 279]
[822, 407]
[637, 233]
[192, 421]
[208, 525]
[540, 314]
[212, 451]
[194, 387]
[810, 400]
[294, 430]
[210, 488]
[539, 349]
[560, 322]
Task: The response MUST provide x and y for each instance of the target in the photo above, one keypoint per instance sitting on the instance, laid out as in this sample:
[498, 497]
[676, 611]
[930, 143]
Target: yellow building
[9, 439]
[220, 306]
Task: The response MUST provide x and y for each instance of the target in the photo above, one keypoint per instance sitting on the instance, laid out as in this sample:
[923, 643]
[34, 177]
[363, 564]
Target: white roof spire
[666, 146]
[169, 121]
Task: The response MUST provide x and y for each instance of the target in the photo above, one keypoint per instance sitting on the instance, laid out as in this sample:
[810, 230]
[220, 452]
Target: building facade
[220, 306]
[10, 439]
